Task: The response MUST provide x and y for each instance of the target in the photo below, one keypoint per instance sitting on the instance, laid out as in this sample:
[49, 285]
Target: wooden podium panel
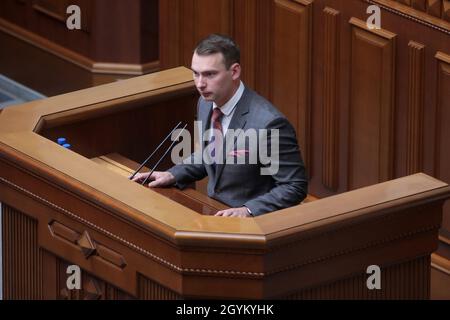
[61, 208]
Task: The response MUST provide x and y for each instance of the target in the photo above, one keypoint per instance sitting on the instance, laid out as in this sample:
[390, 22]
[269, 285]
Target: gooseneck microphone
[157, 148]
[165, 154]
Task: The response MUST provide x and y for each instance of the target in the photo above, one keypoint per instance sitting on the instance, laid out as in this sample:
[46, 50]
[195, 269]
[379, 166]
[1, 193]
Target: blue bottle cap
[61, 141]
[66, 145]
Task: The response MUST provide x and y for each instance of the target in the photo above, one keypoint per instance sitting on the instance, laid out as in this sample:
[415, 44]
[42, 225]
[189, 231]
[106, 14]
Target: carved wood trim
[443, 64]
[416, 96]
[60, 230]
[330, 156]
[21, 258]
[414, 15]
[86, 244]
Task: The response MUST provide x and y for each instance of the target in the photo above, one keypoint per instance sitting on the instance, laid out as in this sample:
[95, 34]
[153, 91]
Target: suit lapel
[237, 122]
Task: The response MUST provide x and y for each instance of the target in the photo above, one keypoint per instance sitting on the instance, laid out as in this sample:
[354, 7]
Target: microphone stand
[157, 148]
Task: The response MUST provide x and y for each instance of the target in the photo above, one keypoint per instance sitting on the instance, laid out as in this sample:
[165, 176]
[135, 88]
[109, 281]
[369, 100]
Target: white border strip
[1, 253]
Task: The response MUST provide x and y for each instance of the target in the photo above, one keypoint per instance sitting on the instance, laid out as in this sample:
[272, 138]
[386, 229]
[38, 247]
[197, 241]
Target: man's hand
[241, 212]
[158, 179]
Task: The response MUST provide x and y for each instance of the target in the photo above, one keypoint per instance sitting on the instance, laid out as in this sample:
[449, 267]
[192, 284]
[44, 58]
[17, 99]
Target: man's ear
[235, 71]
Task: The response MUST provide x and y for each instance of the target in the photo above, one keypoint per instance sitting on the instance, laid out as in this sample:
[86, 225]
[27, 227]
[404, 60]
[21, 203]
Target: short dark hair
[217, 43]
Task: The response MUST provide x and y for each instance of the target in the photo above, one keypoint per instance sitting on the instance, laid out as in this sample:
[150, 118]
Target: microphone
[164, 155]
[157, 148]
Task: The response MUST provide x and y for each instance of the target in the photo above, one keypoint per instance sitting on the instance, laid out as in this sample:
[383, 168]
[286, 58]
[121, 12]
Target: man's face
[213, 81]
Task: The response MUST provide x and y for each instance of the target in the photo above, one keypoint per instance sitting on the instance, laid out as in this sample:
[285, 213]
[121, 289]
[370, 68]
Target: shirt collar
[229, 106]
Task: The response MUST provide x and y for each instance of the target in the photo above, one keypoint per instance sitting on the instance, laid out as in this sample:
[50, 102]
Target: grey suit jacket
[243, 184]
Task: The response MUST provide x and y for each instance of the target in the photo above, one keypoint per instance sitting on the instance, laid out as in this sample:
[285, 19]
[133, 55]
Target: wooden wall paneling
[18, 12]
[419, 5]
[116, 37]
[149, 33]
[245, 34]
[117, 31]
[433, 34]
[446, 10]
[264, 40]
[184, 22]
[330, 145]
[43, 73]
[48, 20]
[187, 25]
[200, 18]
[170, 33]
[371, 105]
[291, 64]
[442, 156]
[434, 8]
[416, 97]
[213, 16]
[227, 18]
[56, 9]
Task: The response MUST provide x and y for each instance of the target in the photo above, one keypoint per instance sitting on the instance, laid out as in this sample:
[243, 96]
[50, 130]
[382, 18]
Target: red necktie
[217, 126]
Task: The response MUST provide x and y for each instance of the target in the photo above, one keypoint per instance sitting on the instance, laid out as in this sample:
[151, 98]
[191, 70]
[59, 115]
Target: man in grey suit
[227, 106]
